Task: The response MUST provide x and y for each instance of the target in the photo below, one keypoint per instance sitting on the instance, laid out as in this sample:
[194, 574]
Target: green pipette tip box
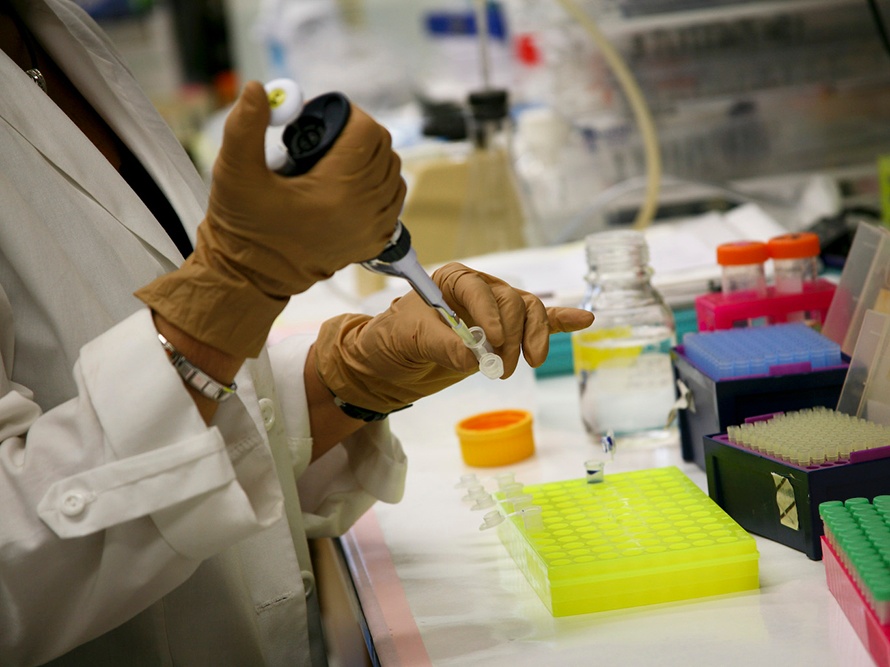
[859, 533]
[636, 538]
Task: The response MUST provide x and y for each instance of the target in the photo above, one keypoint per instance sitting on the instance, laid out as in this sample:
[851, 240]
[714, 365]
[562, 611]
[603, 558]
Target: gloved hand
[383, 363]
[266, 237]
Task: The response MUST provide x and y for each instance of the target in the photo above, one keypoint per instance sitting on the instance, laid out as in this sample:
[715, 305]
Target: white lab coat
[123, 518]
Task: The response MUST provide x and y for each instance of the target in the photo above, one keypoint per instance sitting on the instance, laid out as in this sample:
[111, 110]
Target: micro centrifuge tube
[491, 365]
[491, 519]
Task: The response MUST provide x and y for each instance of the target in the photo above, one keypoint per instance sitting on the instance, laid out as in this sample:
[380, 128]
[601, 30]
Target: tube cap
[739, 253]
[798, 245]
[496, 438]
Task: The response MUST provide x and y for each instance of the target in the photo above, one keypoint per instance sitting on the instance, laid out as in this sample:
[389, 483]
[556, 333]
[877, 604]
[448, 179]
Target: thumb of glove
[245, 130]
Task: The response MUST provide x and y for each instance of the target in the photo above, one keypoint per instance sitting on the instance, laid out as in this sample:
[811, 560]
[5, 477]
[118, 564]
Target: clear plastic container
[743, 274]
[795, 261]
[622, 362]
[494, 216]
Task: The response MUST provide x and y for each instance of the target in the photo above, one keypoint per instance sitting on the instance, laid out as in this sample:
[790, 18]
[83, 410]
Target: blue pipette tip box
[761, 351]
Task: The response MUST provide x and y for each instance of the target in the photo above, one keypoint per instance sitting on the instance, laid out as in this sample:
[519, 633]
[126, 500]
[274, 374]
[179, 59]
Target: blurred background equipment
[782, 104]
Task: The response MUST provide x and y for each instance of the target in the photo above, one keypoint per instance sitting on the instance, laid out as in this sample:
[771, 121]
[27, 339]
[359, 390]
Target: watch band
[364, 414]
[195, 377]
[356, 412]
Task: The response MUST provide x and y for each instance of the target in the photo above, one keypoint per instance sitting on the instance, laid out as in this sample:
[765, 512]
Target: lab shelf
[709, 12]
[636, 538]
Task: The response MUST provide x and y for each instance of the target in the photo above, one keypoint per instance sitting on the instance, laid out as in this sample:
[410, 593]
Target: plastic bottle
[795, 260]
[622, 362]
[795, 265]
[494, 216]
[743, 275]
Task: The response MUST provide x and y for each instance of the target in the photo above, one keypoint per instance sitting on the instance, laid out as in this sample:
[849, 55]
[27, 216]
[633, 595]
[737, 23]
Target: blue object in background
[445, 23]
[753, 351]
[115, 9]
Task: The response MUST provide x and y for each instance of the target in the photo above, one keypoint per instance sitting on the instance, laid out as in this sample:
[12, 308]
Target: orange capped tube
[795, 260]
[743, 273]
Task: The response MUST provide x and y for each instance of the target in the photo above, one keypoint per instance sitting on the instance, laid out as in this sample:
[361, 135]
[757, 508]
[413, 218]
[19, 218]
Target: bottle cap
[798, 245]
[496, 438]
[489, 104]
[739, 253]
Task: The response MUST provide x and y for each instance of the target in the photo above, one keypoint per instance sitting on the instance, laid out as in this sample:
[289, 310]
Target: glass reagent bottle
[622, 362]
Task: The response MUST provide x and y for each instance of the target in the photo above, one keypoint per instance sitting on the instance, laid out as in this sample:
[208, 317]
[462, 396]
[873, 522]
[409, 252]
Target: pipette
[309, 132]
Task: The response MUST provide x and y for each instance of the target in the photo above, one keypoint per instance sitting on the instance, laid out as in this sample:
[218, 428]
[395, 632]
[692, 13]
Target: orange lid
[742, 252]
[796, 245]
[496, 438]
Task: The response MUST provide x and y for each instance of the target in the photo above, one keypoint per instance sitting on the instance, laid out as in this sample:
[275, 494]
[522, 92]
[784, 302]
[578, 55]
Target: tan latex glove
[266, 237]
[408, 352]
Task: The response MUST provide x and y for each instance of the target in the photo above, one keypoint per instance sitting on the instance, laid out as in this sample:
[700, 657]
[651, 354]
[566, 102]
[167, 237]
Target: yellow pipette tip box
[637, 538]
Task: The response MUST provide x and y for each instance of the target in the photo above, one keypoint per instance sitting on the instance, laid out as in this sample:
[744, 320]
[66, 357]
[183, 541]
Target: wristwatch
[195, 377]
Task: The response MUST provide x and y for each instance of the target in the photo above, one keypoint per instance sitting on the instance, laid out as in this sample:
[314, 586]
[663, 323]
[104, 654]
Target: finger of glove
[536, 331]
[471, 296]
[564, 320]
[362, 175]
[542, 322]
[514, 321]
[362, 151]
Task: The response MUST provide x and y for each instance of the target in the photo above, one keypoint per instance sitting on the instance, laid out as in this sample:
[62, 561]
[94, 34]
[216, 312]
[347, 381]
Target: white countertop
[437, 590]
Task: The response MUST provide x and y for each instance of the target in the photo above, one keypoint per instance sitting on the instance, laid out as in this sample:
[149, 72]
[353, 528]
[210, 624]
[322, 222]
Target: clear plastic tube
[491, 365]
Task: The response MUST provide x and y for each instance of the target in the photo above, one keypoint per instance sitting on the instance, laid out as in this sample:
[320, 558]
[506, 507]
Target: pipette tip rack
[856, 555]
[777, 495]
[636, 538]
[761, 351]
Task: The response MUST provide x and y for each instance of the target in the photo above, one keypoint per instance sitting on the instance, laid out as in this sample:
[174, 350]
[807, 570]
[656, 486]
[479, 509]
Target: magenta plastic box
[717, 311]
[874, 635]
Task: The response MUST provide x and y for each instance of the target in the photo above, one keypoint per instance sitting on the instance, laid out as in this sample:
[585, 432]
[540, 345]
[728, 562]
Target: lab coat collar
[90, 62]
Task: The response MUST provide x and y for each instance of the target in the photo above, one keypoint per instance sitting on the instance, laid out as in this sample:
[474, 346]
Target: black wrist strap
[365, 415]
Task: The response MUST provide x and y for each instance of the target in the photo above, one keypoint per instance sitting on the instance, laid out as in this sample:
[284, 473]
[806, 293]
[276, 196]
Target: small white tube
[532, 518]
[491, 519]
[491, 365]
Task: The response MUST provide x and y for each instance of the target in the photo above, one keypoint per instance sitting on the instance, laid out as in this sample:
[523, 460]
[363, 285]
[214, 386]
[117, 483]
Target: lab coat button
[73, 504]
[267, 409]
[308, 582]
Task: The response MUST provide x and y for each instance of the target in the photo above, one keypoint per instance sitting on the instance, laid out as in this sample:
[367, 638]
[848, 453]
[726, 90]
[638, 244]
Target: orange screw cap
[797, 245]
[739, 253]
[496, 438]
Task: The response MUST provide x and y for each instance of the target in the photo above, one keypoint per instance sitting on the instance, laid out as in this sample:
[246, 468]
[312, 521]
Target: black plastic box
[780, 501]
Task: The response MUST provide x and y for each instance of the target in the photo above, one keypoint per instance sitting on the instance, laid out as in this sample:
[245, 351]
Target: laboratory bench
[435, 589]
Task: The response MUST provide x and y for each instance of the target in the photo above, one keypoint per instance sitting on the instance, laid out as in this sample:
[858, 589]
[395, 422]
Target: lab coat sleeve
[111, 499]
[343, 484]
